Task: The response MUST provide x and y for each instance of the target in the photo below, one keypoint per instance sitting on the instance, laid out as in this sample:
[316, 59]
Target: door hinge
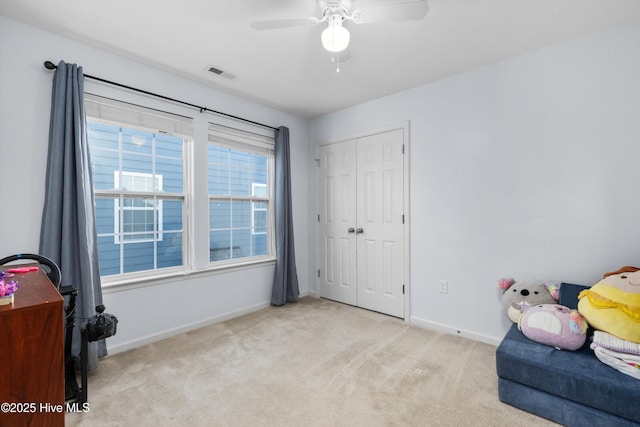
[403, 218]
[318, 273]
[402, 148]
[402, 289]
[318, 217]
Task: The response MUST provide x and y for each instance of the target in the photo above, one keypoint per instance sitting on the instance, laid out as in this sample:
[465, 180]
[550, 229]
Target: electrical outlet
[444, 287]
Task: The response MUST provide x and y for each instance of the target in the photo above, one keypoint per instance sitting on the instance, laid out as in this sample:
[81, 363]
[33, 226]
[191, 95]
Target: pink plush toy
[554, 325]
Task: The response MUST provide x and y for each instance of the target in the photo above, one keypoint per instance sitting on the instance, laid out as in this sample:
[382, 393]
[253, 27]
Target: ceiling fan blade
[389, 11]
[283, 23]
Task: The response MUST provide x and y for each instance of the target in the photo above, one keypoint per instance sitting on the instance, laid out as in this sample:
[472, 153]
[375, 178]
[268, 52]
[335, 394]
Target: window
[147, 215]
[240, 167]
[138, 162]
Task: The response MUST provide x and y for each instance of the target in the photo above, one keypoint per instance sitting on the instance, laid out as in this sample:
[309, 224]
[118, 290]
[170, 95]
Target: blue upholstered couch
[572, 388]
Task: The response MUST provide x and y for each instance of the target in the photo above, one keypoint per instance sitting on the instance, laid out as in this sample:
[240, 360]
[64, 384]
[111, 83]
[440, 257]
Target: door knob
[359, 231]
[351, 229]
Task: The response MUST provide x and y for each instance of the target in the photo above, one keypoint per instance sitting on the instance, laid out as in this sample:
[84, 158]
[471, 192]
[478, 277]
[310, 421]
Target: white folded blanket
[626, 363]
[612, 342]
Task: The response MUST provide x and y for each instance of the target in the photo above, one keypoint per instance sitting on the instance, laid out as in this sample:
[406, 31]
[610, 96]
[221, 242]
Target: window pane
[220, 245]
[169, 160]
[233, 172]
[172, 174]
[103, 137]
[219, 181]
[259, 244]
[259, 169]
[139, 142]
[133, 162]
[138, 219]
[220, 215]
[239, 175]
[109, 255]
[172, 215]
[170, 250]
[241, 240]
[137, 225]
[218, 170]
[104, 215]
[103, 143]
[138, 256]
[241, 215]
[169, 146]
[260, 221]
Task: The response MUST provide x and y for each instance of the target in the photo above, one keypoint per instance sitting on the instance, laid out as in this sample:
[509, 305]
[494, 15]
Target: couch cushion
[562, 411]
[574, 375]
[569, 294]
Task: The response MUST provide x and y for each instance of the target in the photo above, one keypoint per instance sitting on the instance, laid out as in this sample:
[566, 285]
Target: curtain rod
[51, 66]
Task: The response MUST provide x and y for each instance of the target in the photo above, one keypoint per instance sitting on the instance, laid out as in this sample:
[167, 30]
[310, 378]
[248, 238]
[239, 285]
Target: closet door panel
[380, 245]
[337, 245]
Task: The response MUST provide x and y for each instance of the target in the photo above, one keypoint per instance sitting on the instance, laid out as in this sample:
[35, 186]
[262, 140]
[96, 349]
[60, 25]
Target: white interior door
[337, 222]
[361, 222]
[380, 213]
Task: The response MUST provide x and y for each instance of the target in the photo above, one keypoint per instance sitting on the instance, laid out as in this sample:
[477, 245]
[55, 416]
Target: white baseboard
[129, 345]
[440, 327]
[139, 342]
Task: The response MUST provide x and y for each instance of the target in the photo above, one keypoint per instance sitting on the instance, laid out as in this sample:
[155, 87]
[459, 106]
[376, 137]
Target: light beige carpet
[312, 363]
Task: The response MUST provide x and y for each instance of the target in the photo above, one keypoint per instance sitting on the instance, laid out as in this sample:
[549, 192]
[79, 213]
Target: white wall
[526, 168]
[168, 306]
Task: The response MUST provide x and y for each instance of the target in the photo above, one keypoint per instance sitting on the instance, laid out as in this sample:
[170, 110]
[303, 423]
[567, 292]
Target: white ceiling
[288, 69]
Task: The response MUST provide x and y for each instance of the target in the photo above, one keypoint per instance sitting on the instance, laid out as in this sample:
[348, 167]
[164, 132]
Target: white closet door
[361, 222]
[337, 222]
[380, 209]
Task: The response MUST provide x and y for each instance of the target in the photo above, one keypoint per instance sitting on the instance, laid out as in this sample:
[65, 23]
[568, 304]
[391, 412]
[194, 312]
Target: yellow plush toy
[613, 304]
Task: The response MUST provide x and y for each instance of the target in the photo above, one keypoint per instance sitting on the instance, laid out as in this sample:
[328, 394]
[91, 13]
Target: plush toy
[518, 296]
[554, 325]
[613, 304]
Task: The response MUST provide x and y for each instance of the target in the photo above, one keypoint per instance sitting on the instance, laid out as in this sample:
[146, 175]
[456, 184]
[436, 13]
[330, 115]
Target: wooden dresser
[32, 354]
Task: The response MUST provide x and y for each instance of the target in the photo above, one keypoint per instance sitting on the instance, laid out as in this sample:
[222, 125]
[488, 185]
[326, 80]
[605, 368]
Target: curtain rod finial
[49, 65]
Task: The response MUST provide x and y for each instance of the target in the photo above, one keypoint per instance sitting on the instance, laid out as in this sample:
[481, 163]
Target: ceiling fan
[335, 38]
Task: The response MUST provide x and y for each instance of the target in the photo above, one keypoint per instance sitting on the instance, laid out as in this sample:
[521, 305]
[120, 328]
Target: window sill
[170, 276]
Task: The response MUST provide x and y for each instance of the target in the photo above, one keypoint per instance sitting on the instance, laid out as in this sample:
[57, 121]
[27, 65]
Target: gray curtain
[285, 280]
[68, 231]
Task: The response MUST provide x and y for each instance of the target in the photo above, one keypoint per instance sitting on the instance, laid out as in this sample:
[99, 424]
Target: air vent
[217, 71]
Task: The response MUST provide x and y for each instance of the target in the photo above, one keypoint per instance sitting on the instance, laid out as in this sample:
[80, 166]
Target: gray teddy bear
[518, 296]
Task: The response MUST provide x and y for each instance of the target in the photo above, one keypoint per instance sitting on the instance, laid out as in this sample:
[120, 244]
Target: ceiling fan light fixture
[335, 38]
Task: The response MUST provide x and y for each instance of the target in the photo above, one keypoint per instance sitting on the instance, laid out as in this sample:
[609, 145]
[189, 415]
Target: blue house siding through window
[138, 232]
[238, 225]
[144, 230]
